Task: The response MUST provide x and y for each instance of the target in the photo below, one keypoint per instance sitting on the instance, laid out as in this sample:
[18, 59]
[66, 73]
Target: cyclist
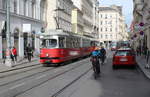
[103, 54]
[95, 61]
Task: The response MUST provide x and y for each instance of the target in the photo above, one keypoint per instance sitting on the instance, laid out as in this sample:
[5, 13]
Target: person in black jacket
[29, 52]
[103, 54]
[147, 59]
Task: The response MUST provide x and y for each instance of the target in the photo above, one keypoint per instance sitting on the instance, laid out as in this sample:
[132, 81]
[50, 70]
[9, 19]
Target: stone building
[111, 24]
[90, 14]
[141, 24]
[59, 15]
[26, 20]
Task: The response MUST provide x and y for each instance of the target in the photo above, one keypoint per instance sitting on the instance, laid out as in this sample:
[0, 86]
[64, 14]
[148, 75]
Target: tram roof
[62, 33]
[54, 32]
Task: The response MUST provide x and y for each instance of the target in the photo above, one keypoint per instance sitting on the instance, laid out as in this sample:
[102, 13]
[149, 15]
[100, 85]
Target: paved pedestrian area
[143, 65]
[20, 64]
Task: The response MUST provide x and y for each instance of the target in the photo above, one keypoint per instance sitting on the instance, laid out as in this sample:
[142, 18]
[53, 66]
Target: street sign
[138, 28]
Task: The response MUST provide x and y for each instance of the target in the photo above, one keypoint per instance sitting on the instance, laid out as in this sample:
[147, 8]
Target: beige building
[88, 8]
[126, 33]
[141, 16]
[111, 24]
[59, 15]
[77, 21]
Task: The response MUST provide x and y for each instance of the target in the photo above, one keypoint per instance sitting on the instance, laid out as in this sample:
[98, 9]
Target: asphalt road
[123, 82]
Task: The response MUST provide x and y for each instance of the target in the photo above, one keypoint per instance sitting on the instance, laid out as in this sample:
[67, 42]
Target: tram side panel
[59, 55]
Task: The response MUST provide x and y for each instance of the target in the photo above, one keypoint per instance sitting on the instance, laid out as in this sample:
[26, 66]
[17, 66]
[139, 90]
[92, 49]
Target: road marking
[57, 70]
[41, 76]
[19, 85]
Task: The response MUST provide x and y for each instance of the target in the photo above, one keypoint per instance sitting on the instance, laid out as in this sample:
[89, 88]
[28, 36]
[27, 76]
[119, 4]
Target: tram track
[23, 72]
[11, 73]
[68, 85]
[19, 68]
[52, 77]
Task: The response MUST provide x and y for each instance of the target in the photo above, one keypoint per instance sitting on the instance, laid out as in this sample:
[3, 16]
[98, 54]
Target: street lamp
[8, 50]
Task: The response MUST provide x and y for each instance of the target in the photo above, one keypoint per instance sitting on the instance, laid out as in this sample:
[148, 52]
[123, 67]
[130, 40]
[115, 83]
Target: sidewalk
[142, 64]
[20, 64]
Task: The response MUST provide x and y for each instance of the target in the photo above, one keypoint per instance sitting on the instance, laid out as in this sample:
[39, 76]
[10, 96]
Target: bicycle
[96, 66]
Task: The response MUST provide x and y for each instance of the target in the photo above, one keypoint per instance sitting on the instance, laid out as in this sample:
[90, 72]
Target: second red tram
[60, 47]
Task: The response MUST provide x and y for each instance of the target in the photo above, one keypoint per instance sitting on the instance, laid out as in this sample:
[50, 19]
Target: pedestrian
[103, 54]
[140, 50]
[4, 56]
[137, 51]
[32, 52]
[11, 54]
[147, 59]
[29, 52]
[14, 53]
[145, 51]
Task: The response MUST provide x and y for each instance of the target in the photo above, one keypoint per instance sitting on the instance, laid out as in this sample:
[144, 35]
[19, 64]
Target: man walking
[147, 59]
[29, 52]
[103, 54]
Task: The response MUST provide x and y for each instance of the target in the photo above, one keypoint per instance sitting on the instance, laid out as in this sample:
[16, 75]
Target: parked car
[113, 46]
[124, 57]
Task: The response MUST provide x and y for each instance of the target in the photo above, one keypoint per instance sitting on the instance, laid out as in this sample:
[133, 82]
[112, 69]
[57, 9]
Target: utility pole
[8, 58]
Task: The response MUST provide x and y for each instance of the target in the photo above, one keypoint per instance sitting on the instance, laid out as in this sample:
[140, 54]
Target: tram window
[61, 42]
[43, 44]
[86, 43]
[68, 42]
[52, 43]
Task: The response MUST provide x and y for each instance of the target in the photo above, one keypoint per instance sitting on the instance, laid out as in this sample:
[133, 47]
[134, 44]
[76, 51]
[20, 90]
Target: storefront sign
[27, 28]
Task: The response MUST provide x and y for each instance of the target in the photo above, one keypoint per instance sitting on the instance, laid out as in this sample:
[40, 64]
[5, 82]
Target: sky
[127, 8]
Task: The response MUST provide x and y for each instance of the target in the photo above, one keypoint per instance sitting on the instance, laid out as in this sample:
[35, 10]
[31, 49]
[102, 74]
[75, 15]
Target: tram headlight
[47, 55]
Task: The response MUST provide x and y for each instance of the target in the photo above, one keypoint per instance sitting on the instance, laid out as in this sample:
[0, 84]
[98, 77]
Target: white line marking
[19, 85]
[57, 70]
[41, 76]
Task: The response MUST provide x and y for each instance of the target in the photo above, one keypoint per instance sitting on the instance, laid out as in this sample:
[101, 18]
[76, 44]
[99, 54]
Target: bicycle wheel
[95, 72]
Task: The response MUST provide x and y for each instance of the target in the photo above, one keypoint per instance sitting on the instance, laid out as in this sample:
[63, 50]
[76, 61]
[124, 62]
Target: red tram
[60, 47]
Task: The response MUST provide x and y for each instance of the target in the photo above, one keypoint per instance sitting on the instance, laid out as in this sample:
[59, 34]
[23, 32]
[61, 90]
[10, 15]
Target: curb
[142, 68]
[21, 67]
[25, 62]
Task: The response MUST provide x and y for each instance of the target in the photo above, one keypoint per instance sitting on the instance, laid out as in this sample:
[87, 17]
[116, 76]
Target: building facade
[59, 15]
[26, 20]
[141, 24]
[96, 19]
[77, 21]
[89, 10]
[111, 24]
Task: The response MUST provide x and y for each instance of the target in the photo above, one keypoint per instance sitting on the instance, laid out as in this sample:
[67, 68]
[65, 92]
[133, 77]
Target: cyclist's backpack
[96, 53]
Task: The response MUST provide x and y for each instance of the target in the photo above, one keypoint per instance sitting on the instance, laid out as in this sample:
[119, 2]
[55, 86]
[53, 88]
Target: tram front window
[49, 43]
